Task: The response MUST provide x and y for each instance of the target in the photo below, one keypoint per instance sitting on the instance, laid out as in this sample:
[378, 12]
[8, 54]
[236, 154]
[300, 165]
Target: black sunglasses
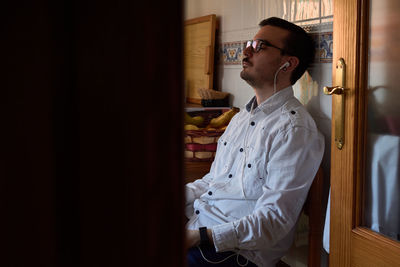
[257, 45]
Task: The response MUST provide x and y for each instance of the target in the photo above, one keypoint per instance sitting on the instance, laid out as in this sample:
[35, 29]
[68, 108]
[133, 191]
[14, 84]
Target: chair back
[313, 208]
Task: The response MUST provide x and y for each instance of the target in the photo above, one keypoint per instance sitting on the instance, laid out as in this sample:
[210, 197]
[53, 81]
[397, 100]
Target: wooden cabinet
[199, 43]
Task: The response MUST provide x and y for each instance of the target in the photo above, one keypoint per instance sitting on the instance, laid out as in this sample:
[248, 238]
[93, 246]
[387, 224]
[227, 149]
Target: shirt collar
[273, 102]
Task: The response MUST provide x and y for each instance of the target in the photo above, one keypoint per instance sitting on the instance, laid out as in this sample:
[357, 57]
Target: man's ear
[293, 61]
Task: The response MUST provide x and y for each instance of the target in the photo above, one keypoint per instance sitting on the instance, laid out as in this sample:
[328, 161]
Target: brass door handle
[336, 90]
[338, 94]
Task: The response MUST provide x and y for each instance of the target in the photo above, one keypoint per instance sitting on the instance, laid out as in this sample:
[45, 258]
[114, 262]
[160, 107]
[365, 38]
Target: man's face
[259, 67]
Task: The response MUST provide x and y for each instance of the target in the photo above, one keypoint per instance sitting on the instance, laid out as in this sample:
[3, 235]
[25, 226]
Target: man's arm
[193, 238]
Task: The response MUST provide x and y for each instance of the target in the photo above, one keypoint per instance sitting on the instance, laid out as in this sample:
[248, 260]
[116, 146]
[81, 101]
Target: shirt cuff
[224, 237]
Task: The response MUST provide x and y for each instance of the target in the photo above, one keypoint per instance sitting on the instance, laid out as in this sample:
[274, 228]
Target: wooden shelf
[191, 105]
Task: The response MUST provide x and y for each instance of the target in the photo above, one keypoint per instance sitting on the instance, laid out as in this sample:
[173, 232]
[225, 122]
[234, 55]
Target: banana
[198, 120]
[223, 119]
[190, 127]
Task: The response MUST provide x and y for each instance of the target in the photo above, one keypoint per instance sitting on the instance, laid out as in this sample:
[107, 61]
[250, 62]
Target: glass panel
[326, 8]
[298, 10]
[307, 9]
[382, 185]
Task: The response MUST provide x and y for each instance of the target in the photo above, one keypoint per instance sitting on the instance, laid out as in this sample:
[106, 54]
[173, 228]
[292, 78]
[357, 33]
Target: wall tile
[252, 13]
[324, 46]
[231, 36]
[212, 6]
[193, 9]
[231, 15]
[198, 8]
[275, 8]
[232, 53]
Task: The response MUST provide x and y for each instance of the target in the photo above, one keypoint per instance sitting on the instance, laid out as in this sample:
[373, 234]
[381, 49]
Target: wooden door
[91, 158]
[351, 242]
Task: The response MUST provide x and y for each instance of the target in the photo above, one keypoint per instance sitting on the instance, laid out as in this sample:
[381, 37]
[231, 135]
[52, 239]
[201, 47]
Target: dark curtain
[91, 162]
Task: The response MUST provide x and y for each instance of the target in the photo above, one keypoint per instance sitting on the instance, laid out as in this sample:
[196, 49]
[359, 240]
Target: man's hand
[193, 238]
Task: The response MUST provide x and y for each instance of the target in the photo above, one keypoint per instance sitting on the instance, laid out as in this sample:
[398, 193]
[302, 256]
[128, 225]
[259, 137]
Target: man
[244, 211]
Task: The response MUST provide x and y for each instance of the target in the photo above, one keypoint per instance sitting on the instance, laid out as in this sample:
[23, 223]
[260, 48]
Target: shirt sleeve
[292, 162]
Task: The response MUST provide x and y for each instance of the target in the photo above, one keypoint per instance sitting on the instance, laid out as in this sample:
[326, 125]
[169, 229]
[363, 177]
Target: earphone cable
[218, 262]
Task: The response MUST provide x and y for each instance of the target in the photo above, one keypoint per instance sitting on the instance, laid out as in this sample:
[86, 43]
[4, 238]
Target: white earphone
[284, 66]
[287, 64]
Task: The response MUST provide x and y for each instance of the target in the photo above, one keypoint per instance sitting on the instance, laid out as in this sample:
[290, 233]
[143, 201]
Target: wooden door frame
[348, 238]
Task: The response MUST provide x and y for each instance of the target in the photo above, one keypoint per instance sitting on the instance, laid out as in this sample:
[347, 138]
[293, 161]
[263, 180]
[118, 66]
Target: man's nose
[248, 51]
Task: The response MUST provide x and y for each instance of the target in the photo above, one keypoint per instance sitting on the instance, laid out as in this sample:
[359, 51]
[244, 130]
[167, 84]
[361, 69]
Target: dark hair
[299, 43]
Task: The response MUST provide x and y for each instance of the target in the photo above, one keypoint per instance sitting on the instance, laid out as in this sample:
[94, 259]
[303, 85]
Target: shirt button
[230, 176]
[210, 193]
[252, 123]
[241, 149]
[249, 165]
[293, 112]
[197, 211]
[225, 144]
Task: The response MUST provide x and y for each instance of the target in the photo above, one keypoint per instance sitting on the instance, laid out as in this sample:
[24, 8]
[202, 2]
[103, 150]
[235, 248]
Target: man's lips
[246, 62]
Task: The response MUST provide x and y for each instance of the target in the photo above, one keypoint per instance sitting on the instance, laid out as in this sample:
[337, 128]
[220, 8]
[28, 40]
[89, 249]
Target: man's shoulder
[297, 115]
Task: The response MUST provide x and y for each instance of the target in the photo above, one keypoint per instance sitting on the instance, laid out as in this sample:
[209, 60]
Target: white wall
[238, 21]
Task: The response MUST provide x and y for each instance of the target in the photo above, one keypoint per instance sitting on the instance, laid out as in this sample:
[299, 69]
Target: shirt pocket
[224, 158]
[255, 174]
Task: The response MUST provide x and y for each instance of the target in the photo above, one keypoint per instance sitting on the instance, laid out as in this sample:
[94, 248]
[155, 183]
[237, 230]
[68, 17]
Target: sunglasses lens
[249, 43]
[253, 44]
[256, 45]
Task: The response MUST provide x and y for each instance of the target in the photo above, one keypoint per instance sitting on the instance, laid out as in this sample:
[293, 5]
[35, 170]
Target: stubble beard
[247, 77]
[251, 80]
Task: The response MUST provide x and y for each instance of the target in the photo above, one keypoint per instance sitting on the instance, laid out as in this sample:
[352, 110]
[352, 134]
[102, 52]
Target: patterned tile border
[325, 47]
[319, 27]
[231, 53]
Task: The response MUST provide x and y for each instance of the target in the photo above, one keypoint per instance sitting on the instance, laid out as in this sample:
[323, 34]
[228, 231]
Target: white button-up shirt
[264, 166]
